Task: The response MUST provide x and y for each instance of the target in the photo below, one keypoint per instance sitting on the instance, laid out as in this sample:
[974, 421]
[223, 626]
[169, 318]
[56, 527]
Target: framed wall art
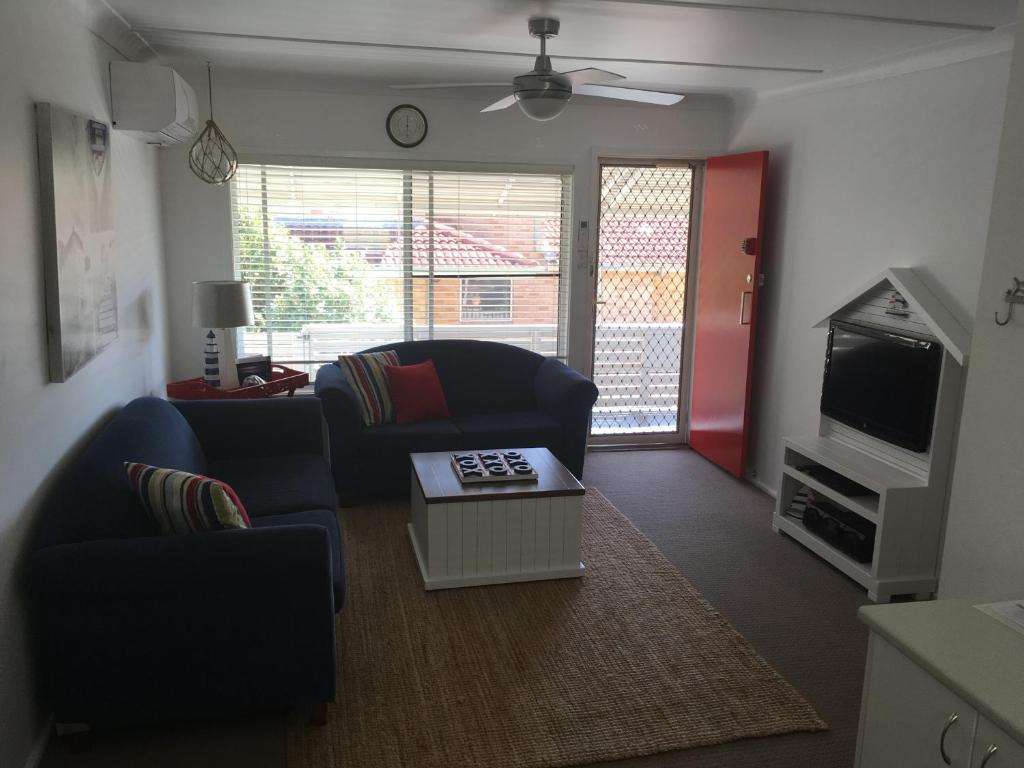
[78, 237]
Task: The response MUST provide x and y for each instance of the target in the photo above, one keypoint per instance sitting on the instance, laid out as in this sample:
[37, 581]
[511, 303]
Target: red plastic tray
[282, 379]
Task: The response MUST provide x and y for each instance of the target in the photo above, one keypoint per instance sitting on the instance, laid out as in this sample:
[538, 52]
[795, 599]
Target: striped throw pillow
[365, 374]
[180, 502]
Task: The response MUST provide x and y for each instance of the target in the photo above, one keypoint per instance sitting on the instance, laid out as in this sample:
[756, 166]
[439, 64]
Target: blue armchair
[499, 396]
[134, 626]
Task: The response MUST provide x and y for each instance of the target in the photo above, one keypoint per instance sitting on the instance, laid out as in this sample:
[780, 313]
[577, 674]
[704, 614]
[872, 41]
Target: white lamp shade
[222, 304]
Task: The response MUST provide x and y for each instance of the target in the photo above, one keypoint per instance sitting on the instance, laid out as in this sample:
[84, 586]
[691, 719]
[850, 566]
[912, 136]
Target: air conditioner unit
[153, 101]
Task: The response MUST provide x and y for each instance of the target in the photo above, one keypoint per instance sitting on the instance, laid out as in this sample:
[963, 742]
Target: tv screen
[882, 384]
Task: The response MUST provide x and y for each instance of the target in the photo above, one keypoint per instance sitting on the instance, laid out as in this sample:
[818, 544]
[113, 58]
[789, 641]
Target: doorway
[643, 248]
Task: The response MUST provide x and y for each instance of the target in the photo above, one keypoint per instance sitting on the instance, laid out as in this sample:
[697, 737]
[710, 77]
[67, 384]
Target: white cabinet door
[991, 744]
[905, 716]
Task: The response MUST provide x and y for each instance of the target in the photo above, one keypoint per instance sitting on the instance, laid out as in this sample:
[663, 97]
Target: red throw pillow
[416, 392]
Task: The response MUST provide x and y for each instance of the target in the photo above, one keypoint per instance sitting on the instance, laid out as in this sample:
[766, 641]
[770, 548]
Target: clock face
[407, 125]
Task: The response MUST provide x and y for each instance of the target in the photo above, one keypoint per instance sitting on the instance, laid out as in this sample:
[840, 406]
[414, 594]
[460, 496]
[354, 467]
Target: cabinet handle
[992, 749]
[942, 738]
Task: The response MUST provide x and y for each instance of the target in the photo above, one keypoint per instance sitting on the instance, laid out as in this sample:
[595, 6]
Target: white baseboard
[42, 740]
[761, 485]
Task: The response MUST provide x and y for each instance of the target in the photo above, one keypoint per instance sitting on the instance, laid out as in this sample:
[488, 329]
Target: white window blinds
[341, 259]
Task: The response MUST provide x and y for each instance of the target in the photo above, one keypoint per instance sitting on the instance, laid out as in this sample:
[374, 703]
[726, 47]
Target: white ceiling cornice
[929, 57]
[787, 7]
[108, 25]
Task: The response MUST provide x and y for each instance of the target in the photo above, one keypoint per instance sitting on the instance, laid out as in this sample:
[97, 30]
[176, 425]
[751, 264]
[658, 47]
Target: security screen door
[643, 248]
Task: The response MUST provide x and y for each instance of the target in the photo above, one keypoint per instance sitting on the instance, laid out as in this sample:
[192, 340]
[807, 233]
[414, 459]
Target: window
[341, 259]
[485, 298]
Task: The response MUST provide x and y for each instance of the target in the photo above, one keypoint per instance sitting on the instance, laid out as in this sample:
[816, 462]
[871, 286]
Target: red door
[727, 288]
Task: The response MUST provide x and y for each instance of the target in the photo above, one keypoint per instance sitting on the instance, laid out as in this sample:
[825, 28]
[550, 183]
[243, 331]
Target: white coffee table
[495, 533]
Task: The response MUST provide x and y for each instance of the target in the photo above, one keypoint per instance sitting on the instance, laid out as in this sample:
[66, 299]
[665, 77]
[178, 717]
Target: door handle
[992, 749]
[743, 307]
[942, 738]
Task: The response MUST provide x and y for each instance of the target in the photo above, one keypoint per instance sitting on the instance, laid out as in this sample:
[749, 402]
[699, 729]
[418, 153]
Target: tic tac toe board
[492, 467]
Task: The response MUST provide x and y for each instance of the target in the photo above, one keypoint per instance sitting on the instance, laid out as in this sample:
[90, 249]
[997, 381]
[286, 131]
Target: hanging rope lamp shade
[212, 158]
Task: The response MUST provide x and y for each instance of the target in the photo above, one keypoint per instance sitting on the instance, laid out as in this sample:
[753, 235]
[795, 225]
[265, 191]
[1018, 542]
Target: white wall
[46, 54]
[895, 172]
[314, 120]
[984, 554]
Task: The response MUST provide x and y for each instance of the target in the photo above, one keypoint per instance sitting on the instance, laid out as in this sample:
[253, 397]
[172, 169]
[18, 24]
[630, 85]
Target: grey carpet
[795, 610]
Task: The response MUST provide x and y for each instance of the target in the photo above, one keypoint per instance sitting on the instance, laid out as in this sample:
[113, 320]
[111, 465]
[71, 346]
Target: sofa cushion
[477, 376]
[182, 502]
[329, 520]
[386, 440]
[523, 429]
[280, 484]
[365, 374]
[416, 393]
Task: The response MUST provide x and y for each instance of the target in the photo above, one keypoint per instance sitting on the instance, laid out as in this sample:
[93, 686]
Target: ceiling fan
[543, 94]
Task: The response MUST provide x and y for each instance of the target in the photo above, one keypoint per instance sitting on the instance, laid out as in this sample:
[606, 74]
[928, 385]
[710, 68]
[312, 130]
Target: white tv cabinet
[904, 494]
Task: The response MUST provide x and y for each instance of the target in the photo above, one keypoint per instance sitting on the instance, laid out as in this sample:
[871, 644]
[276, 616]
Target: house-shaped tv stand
[904, 491]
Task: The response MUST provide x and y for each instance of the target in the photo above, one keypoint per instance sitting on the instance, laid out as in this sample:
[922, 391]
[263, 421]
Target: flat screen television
[882, 384]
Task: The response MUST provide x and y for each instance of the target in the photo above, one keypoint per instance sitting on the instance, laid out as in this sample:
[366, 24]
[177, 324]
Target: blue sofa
[498, 395]
[134, 626]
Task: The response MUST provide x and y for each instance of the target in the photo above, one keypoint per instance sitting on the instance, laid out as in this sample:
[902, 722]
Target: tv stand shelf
[865, 506]
[907, 525]
[863, 469]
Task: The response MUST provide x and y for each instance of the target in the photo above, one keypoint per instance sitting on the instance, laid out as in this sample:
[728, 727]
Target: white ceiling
[720, 46]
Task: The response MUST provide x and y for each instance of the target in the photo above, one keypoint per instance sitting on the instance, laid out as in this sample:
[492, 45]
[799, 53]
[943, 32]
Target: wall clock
[406, 125]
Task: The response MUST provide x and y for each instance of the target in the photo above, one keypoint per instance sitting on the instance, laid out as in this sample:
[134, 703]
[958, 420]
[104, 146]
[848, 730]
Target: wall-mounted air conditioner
[153, 101]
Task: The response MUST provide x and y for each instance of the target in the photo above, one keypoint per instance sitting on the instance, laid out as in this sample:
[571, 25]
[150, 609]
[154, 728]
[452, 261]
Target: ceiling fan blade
[628, 94]
[428, 86]
[591, 75]
[508, 101]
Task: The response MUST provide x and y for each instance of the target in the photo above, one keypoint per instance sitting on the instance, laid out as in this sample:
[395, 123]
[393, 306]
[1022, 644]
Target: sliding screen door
[643, 245]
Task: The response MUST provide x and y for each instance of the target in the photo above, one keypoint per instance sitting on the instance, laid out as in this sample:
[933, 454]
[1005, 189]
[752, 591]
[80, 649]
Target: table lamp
[219, 305]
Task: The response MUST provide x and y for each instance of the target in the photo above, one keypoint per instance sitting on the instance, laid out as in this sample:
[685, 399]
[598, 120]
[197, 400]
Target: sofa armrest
[339, 401]
[563, 392]
[568, 396]
[275, 426]
[294, 559]
[183, 626]
[344, 423]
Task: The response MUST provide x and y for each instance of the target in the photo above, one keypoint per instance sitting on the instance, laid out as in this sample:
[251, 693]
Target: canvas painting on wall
[78, 238]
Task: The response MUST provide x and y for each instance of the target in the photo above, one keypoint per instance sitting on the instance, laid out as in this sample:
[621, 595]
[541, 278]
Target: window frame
[563, 275]
[484, 316]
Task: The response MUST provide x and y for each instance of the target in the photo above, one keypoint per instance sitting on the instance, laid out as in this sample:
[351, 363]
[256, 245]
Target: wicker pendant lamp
[212, 158]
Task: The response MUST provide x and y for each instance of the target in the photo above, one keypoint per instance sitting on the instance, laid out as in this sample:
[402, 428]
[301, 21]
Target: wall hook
[1012, 297]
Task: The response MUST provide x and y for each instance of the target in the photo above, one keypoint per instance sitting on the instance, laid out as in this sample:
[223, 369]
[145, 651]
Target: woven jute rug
[628, 660]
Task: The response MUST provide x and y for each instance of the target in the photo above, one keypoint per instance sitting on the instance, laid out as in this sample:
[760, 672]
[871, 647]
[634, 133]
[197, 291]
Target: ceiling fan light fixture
[543, 94]
[543, 106]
